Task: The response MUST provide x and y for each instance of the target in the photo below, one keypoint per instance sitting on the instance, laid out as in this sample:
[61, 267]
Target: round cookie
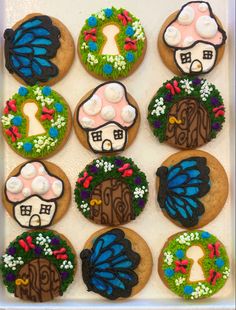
[112, 44]
[194, 265]
[36, 122]
[38, 266]
[192, 40]
[192, 188]
[111, 191]
[38, 50]
[126, 263]
[107, 119]
[37, 194]
[186, 112]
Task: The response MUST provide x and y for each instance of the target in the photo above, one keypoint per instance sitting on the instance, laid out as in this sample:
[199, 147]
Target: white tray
[145, 151]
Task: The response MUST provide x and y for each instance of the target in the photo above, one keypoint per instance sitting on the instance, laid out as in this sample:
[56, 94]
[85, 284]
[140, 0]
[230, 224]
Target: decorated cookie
[111, 191]
[112, 44]
[116, 263]
[192, 188]
[38, 266]
[36, 122]
[194, 264]
[38, 50]
[37, 194]
[191, 41]
[186, 112]
[107, 119]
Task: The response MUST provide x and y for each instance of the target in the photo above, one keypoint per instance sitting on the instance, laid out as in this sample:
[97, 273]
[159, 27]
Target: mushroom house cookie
[192, 188]
[111, 191]
[36, 122]
[191, 41]
[194, 265]
[37, 194]
[38, 266]
[186, 112]
[116, 263]
[112, 44]
[107, 119]
[38, 50]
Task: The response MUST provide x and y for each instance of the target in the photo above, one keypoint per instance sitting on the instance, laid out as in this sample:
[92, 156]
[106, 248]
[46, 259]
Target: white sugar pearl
[14, 185]
[28, 171]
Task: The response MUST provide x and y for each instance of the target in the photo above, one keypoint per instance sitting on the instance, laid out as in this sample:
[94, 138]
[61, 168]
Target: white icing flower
[6, 120]
[59, 122]
[140, 191]
[226, 273]
[168, 258]
[159, 107]
[118, 61]
[187, 86]
[84, 206]
[84, 46]
[206, 89]
[99, 163]
[66, 265]
[100, 15]
[108, 166]
[91, 59]
[138, 30]
[11, 262]
[179, 281]
[19, 145]
[186, 238]
[200, 291]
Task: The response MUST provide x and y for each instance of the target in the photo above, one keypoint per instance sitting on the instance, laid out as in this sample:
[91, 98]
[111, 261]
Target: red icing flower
[10, 106]
[90, 35]
[26, 244]
[13, 132]
[85, 180]
[130, 44]
[219, 111]
[181, 265]
[124, 17]
[214, 249]
[213, 277]
[60, 254]
[126, 172]
[47, 114]
[174, 88]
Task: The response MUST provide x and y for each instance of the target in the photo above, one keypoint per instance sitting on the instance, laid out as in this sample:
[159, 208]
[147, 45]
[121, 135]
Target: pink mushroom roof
[33, 179]
[194, 22]
[108, 103]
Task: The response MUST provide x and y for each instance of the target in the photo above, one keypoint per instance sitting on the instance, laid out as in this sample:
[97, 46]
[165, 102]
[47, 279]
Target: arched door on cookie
[188, 124]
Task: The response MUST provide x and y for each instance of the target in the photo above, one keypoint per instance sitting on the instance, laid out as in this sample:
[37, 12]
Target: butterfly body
[30, 47]
[180, 188]
[108, 267]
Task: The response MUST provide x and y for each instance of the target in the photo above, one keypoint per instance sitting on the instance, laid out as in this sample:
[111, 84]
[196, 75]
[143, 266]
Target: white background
[146, 151]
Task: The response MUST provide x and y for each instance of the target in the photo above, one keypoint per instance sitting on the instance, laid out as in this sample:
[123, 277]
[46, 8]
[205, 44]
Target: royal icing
[107, 129]
[195, 36]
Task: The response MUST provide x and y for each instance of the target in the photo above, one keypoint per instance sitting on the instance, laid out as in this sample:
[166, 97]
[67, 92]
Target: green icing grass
[30, 255]
[207, 264]
[160, 133]
[120, 39]
[46, 124]
[101, 176]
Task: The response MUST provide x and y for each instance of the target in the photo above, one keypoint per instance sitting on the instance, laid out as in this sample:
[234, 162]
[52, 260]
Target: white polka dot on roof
[40, 185]
[93, 105]
[172, 36]
[114, 92]
[186, 16]
[108, 113]
[28, 171]
[206, 26]
[14, 185]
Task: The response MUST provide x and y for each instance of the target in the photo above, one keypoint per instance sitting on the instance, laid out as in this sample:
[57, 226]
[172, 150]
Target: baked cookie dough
[38, 50]
[111, 191]
[116, 263]
[192, 40]
[112, 44]
[192, 188]
[38, 266]
[186, 112]
[107, 119]
[194, 265]
[37, 194]
[36, 122]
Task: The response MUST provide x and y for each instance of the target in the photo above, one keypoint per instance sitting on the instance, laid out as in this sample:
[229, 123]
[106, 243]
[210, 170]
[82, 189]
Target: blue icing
[27, 146]
[53, 132]
[46, 90]
[178, 180]
[36, 68]
[17, 120]
[39, 51]
[98, 284]
[108, 12]
[32, 23]
[219, 262]
[205, 235]
[129, 31]
[107, 69]
[59, 107]
[188, 163]
[22, 91]
[92, 21]
[129, 56]
[26, 72]
[169, 272]
[92, 46]
[23, 49]
[188, 289]
[179, 254]
[26, 38]
[42, 41]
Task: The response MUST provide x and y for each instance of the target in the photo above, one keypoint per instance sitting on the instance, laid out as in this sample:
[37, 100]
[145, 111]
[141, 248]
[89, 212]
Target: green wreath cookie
[112, 43]
[38, 266]
[194, 264]
[111, 191]
[186, 112]
[36, 121]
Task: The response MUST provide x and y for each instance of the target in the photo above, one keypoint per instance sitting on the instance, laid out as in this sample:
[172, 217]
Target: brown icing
[194, 129]
[44, 281]
[116, 203]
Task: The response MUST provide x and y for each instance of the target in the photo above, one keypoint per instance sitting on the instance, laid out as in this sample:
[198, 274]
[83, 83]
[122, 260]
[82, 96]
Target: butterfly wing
[181, 186]
[108, 268]
[29, 48]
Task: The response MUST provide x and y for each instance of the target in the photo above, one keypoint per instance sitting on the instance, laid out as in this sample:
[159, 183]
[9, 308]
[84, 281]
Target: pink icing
[117, 106]
[27, 184]
[189, 30]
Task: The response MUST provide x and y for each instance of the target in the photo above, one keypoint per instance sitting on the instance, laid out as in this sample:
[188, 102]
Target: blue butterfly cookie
[38, 49]
[116, 263]
[192, 188]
